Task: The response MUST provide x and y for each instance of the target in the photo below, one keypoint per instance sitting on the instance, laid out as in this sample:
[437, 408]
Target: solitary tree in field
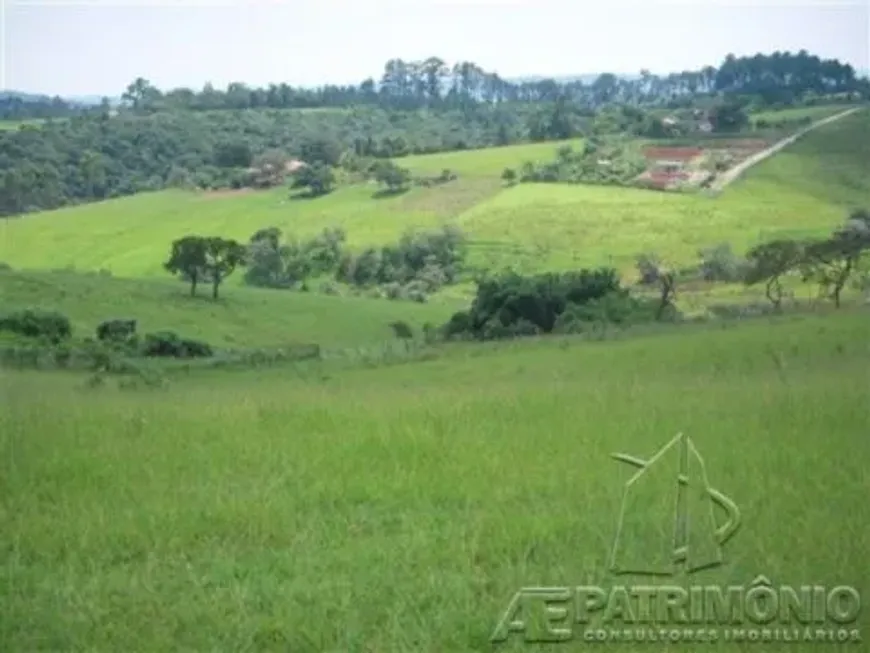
[188, 260]
[222, 257]
[769, 262]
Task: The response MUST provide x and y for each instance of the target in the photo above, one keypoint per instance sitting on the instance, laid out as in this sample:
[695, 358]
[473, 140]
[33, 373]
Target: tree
[509, 176]
[392, 176]
[188, 260]
[321, 149]
[728, 117]
[769, 262]
[140, 94]
[222, 257]
[233, 154]
[318, 178]
[653, 271]
[832, 261]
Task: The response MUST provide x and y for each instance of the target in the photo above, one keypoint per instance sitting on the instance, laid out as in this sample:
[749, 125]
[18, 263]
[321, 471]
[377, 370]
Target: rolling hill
[361, 506]
[400, 508]
[807, 188]
[243, 317]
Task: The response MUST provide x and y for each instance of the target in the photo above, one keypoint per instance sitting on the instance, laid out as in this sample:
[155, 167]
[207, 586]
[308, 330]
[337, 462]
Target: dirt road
[731, 175]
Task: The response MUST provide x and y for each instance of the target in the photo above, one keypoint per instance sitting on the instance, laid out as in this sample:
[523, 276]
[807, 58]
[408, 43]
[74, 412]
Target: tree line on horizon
[777, 78]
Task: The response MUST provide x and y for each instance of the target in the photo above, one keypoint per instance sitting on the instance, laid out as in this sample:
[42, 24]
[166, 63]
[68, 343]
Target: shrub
[719, 263]
[648, 266]
[31, 323]
[511, 305]
[116, 330]
[168, 344]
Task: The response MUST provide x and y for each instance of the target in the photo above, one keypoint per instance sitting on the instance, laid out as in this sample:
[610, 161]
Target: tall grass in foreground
[399, 509]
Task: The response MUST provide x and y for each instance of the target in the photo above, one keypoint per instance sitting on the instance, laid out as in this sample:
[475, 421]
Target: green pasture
[242, 317]
[486, 162]
[797, 113]
[400, 508]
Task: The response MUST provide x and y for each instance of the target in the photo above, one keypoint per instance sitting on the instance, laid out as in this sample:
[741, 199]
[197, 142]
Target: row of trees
[419, 264]
[510, 305]
[829, 262]
[780, 77]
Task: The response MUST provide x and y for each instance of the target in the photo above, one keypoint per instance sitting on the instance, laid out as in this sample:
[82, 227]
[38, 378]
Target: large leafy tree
[222, 257]
[769, 262]
[205, 259]
[187, 259]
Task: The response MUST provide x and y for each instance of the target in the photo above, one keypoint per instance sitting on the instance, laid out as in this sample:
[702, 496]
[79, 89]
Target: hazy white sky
[99, 46]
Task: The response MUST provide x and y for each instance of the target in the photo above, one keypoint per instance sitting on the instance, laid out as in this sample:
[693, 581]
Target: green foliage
[32, 323]
[510, 305]
[235, 154]
[768, 262]
[831, 262]
[116, 330]
[509, 176]
[210, 259]
[601, 161]
[394, 178]
[728, 117]
[187, 260]
[419, 264]
[444, 177]
[168, 344]
[317, 178]
[402, 330]
[720, 263]
[272, 263]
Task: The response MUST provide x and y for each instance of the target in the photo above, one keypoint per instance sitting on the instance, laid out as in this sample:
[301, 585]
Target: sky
[97, 47]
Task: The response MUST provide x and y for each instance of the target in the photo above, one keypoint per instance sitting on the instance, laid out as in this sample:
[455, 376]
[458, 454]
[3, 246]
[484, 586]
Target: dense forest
[213, 139]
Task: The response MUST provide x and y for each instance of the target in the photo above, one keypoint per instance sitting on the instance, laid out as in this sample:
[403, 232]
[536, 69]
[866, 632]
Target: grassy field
[243, 317]
[400, 508]
[806, 189]
[8, 125]
[487, 162]
[796, 113]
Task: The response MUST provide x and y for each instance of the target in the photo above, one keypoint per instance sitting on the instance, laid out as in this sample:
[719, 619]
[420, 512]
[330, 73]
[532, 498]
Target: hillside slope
[806, 188]
[241, 318]
[400, 508]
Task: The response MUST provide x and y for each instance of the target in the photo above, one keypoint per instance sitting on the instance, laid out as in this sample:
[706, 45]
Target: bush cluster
[419, 264]
[600, 161]
[511, 305]
[46, 339]
[31, 323]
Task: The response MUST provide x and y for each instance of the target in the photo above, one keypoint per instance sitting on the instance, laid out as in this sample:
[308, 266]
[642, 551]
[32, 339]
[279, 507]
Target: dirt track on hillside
[731, 175]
